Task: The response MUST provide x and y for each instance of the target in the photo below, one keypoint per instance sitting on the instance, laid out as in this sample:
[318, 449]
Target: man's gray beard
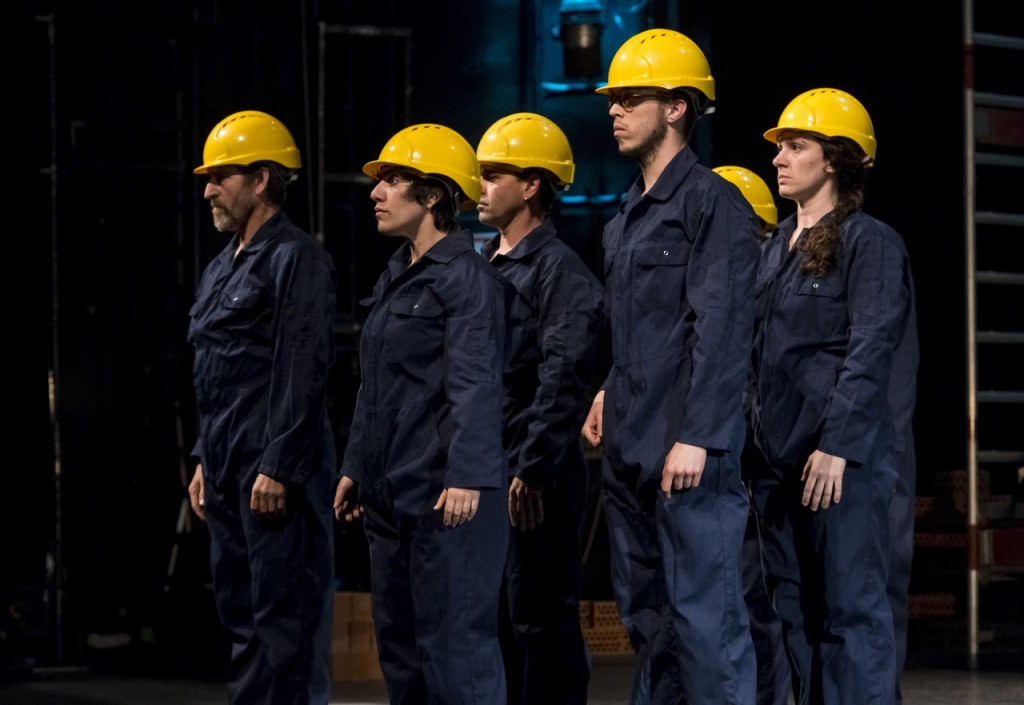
[225, 221]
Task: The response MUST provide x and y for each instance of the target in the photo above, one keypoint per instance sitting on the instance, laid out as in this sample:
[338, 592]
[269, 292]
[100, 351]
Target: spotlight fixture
[580, 31]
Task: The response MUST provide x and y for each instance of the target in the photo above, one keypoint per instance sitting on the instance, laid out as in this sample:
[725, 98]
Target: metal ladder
[994, 228]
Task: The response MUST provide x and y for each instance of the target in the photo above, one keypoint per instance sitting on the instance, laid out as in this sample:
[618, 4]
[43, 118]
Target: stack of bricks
[603, 630]
[931, 605]
[1001, 539]
[951, 487]
[353, 643]
[940, 542]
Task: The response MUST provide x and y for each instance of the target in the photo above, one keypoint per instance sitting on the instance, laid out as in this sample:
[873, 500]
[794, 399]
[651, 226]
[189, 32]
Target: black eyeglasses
[630, 99]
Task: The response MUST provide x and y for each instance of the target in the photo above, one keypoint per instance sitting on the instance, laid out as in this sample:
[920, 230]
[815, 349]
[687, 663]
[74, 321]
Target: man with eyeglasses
[680, 261]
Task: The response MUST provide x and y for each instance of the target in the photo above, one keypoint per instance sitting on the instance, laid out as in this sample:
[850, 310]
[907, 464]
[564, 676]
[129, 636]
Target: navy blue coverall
[824, 362]
[902, 401]
[554, 328]
[428, 416]
[680, 262]
[263, 330]
[773, 681]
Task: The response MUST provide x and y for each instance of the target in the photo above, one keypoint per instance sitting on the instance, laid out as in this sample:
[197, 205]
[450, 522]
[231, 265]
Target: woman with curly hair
[835, 358]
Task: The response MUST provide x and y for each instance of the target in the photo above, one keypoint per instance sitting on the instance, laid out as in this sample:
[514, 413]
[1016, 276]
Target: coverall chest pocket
[820, 305]
[828, 287]
[240, 306]
[659, 276]
[415, 329]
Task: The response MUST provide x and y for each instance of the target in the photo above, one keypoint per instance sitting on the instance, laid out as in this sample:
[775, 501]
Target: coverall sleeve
[878, 299]
[474, 355]
[720, 287]
[303, 351]
[570, 323]
[197, 450]
[354, 461]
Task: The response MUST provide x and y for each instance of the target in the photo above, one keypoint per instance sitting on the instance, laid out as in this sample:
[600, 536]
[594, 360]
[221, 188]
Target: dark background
[111, 101]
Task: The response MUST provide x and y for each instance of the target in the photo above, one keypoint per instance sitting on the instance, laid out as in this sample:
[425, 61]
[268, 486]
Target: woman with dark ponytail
[835, 362]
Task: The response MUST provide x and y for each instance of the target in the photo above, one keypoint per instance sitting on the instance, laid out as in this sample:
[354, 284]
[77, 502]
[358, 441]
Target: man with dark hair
[553, 334]
[680, 260]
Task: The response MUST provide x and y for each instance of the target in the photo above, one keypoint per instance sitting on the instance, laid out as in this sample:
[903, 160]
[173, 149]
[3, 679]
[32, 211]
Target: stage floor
[609, 686]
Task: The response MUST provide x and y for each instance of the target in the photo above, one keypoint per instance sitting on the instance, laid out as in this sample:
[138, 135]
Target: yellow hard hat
[525, 140]
[246, 137]
[754, 189]
[660, 58]
[432, 150]
[829, 112]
